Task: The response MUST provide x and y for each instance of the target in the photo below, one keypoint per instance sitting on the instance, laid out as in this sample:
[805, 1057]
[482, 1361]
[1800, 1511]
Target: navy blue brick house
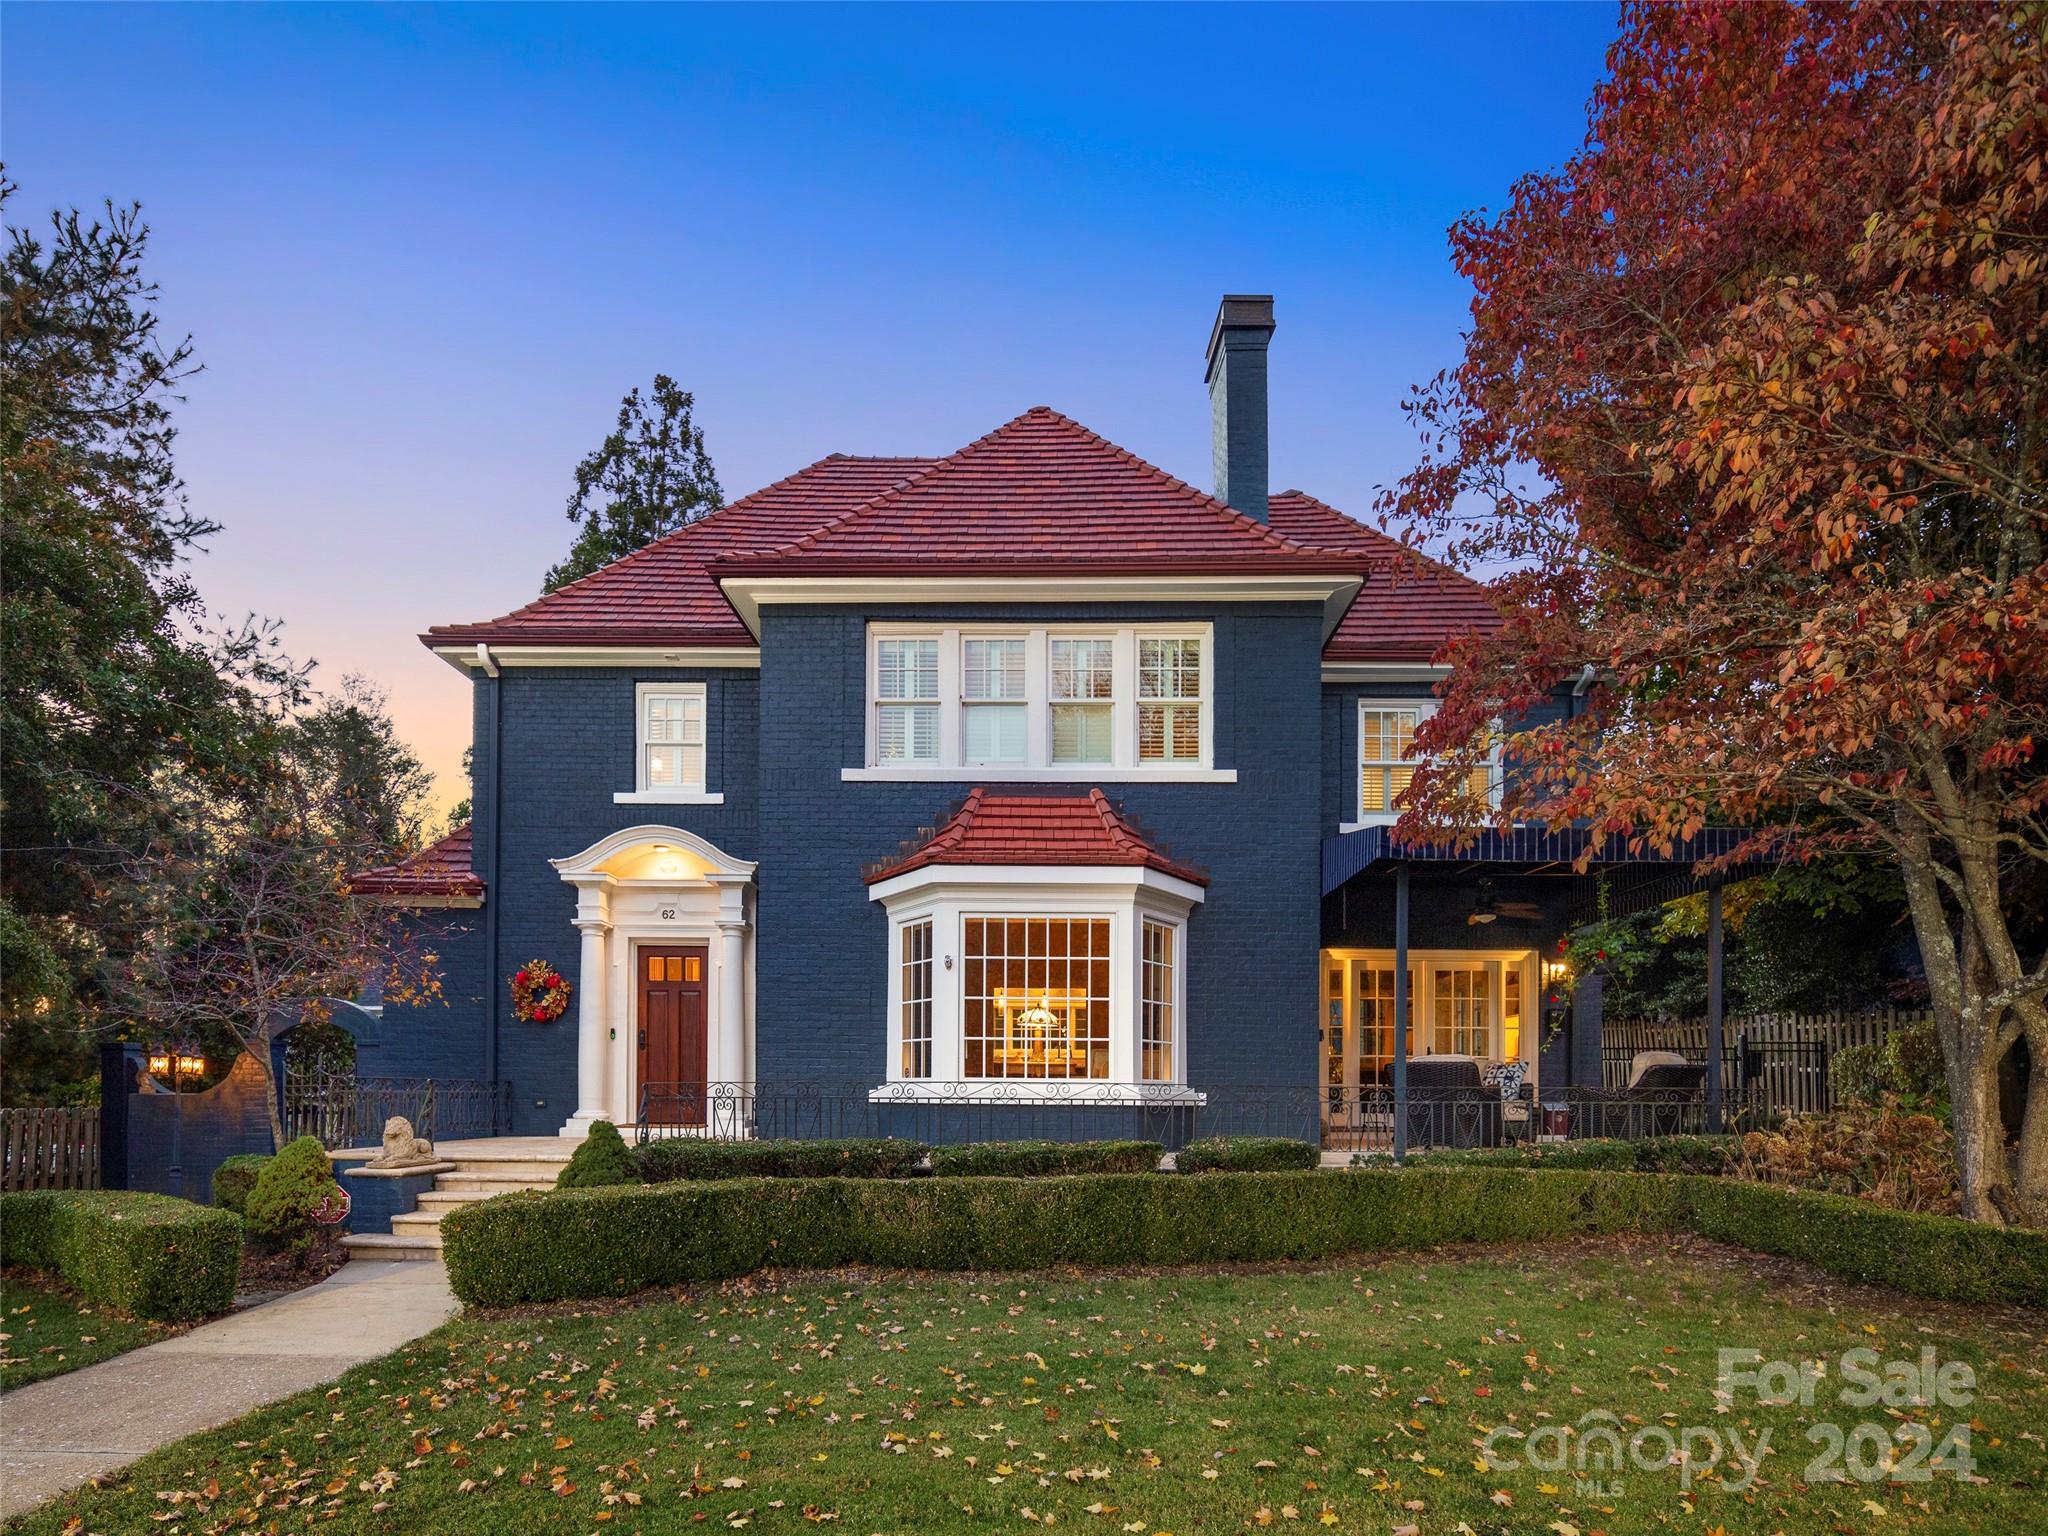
[1027, 775]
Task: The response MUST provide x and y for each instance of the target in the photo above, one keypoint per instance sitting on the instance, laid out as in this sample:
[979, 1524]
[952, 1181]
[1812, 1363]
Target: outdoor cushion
[1644, 1060]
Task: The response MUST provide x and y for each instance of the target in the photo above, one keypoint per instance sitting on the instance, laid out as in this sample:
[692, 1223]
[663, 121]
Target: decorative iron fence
[341, 1109]
[1356, 1120]
[50, 1148]
[1772, 1064]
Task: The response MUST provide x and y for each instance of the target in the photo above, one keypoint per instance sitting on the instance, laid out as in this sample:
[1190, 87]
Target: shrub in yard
[235, 1178]
[1886, 1156]
[1040, 1159]
[1651, 1154]
[601, 1158]
[688, 1157]
[149, 1255]
[1906, 1065]
[613, 1242]
[1246, 1154]
[287, 1191]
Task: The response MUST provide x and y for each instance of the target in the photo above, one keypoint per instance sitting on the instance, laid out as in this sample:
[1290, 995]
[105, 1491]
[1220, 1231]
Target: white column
[591, 1025]
[732, 1001]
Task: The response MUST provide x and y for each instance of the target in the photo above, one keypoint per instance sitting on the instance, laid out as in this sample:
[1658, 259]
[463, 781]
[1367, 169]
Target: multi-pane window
[993, 712]
[1035, 995]
[907, 701]
[1155, 1003]
[1169, 700]
[1463, 1006]
[1083, 700]
[1376, 1024]
[1133, 699]
[1386, 758]
[672, 739]
[1386, 742]
[917, 999]
[1511, 1013]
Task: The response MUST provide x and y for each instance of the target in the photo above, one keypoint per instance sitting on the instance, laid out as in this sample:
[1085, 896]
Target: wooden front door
[672, 1036]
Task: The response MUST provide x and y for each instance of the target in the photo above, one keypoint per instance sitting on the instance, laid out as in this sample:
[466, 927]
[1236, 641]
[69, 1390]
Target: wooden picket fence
[46, 1148]
[1777, 1063]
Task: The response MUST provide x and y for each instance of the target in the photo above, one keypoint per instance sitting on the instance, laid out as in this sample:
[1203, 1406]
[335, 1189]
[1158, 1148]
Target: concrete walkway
[57, 1433]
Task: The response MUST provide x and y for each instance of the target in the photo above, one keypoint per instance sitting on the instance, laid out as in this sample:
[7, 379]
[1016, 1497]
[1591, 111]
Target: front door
[672, 1034]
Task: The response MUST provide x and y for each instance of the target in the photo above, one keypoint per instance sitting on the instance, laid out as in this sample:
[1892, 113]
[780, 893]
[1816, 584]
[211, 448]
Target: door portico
[646, 890]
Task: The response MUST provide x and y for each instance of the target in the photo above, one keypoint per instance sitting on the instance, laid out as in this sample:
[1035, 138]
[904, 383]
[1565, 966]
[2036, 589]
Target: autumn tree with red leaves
[1752, 407]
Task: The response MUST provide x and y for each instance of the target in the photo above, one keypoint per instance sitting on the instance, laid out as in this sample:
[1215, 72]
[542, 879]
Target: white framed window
[1083, 699]
[1157, 992]
[1007, 981]
[906, 674]
[1169, 699]
[915, 1000]
[993, 712]
[1387, 760]
[1058, 703]
[671, 737]
[1461, 1009]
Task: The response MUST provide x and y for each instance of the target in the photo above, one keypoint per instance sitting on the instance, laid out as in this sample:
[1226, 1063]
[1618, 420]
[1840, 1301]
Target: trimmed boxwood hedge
[1651, 1154]
[152, 1256]
[235, 1178]
[532, 1247]
[1041, 1159]
[853, 1157]
[1246, 1154]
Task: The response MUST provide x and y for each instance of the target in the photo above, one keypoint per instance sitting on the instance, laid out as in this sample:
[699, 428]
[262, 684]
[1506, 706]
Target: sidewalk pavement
[57, 1433]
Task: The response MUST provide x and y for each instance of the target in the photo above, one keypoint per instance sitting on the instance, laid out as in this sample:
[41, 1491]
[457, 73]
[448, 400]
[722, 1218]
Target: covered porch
[1449, 1016]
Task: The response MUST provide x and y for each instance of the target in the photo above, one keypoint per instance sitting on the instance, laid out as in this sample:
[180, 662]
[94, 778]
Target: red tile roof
[439, 869]
[1407, 608]
[1035, 829]
[665, 594]
[1042, 494]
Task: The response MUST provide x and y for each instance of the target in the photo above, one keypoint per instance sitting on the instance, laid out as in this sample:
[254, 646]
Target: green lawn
[1347, 1399]
[46, 1332]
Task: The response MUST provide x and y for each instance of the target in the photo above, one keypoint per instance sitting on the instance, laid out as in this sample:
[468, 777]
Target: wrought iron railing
[1342, 1120]
[344, 1110]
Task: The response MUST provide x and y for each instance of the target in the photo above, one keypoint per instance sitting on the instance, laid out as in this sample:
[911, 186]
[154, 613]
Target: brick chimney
[1237, 400]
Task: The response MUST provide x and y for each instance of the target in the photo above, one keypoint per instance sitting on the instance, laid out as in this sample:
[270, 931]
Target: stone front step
[380, 1245]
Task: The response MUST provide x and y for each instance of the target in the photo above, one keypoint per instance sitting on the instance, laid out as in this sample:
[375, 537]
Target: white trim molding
[465, 658]
[1384, 672]
[924, 773]
[1334, 591]
[655, 884]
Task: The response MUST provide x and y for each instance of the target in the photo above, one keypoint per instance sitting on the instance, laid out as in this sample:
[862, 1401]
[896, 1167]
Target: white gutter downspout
[1578, 689]
[490, 667]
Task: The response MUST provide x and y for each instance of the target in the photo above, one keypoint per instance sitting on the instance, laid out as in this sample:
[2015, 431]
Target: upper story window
[907, 701]
[671, 736]
[1070, 701]
[1387, 761]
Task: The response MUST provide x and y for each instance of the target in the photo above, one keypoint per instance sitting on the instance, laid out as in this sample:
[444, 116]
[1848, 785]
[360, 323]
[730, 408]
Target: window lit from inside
[917, 1000]
[1463, 1010]
[1036, 995]
[1155, 1004]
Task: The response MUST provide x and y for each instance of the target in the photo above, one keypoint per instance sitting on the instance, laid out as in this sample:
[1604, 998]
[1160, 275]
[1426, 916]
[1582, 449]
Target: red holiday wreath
[539, 994]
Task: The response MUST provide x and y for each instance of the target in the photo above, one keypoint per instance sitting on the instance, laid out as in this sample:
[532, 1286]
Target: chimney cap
[1240, 312]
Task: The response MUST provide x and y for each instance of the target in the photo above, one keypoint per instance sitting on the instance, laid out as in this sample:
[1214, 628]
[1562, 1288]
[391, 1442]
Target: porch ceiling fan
[1487, 908]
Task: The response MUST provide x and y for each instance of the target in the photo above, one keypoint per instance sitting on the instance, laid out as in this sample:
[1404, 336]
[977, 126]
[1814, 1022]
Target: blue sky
[423, 251]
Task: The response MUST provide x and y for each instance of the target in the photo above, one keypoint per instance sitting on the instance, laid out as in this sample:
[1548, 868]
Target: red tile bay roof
[1040, 494]
[1035, 829]
[665, 593]
[439, 869]
[1408, 607]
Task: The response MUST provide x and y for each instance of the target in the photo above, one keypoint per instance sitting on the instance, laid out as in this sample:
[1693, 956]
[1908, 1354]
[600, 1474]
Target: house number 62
[668, 914]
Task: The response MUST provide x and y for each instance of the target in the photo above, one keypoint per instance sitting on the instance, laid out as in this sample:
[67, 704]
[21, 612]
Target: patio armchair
[1449, 1105]
[1664, 1097]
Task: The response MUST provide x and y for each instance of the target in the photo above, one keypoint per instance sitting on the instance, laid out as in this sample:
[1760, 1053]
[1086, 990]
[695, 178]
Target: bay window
[1070, 702]
[1037, 983]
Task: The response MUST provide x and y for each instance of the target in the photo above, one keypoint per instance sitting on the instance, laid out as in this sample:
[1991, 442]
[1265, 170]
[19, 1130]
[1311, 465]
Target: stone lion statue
[402, 1149]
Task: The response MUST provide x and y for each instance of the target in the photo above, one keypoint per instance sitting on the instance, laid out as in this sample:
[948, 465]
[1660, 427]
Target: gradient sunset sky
[423, 251]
